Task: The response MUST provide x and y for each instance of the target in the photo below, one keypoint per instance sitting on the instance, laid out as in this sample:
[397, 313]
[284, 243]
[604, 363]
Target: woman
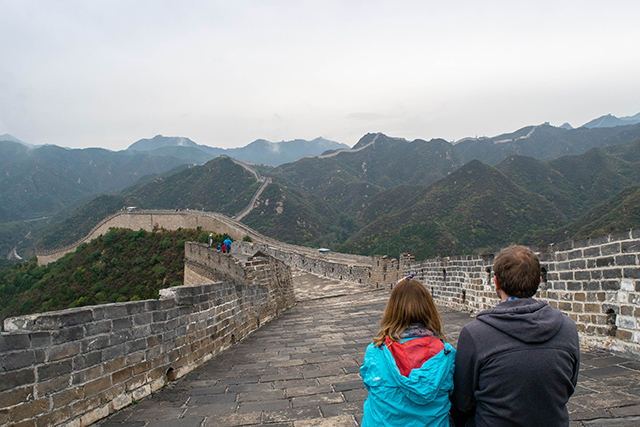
[408, 369]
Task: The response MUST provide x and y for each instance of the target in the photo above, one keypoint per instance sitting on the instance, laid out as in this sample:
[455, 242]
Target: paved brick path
[302, 370]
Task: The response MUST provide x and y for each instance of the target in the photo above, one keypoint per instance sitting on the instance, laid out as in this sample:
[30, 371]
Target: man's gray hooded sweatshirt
[517, 365]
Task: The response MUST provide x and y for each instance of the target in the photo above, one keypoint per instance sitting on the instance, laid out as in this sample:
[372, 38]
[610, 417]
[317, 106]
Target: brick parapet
[596, 282]
[356, 269]
[76, 366]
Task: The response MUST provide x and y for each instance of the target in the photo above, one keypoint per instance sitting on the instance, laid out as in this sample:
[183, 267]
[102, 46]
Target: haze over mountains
[259, 151]
[385, 195]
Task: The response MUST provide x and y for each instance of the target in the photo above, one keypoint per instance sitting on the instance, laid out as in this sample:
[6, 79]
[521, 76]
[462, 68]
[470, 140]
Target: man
[517, 363]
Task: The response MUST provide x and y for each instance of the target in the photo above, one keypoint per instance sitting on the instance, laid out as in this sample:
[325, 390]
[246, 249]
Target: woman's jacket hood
[419, 399]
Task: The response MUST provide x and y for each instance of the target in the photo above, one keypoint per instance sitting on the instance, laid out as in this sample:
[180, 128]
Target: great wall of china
[76, 366]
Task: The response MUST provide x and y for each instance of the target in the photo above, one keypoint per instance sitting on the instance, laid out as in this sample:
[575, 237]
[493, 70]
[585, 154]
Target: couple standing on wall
[516, 364]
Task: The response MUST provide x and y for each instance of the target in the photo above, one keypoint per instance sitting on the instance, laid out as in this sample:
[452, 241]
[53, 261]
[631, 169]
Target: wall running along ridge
[74, 367]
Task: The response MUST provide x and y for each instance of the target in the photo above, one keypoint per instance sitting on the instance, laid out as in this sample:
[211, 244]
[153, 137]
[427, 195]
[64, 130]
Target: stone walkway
[302, 370]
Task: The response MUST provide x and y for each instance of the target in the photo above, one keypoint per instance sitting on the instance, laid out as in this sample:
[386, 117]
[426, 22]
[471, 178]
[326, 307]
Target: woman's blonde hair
[410, 302]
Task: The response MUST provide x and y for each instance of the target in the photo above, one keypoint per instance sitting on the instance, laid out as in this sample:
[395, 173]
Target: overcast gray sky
[224, 73]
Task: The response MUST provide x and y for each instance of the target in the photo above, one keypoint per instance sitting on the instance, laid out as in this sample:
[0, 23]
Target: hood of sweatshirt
[425, 383]
[526, 319]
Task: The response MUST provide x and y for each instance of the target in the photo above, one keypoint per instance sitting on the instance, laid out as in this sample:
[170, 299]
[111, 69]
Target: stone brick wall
[204, 264]
[150, 219]
[79, 365]
[596, 282]
[368, 271]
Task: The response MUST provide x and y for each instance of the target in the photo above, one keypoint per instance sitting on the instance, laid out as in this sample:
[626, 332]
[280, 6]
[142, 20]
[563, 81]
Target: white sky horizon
[107, 73]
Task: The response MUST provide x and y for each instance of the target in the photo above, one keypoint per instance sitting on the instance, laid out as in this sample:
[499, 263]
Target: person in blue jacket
[408, 368]
[227, 242]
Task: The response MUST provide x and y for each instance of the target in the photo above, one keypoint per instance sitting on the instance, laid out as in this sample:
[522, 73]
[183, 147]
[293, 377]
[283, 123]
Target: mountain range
[259, 151]
[386, 194]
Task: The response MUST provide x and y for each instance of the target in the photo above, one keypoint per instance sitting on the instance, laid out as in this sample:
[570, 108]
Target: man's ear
[495, 279]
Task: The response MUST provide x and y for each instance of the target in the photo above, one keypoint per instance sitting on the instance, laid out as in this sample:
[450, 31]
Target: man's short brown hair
[518, 271]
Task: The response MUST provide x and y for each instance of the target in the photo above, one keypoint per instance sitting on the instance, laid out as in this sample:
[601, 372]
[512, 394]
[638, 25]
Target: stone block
[133, 346]
[626, 310]
[69, 334]
[85, 375]
[592, 308]
[135, 307]
[15, 396]
[113, 352]
[94, 343]
[631, 272]
[564, 246]
[630, 247]
[591, 252]
[17, 360]
[142, 318]
[122, 375]
[109, 311]
[40, 339]
[598, 240]
[16, 379]
[574, 254]
[98, 327]
[121, 401]
[94, 415]
[582, 275]
[46, 388]
[53, 370]
[567, 275]
[14, 341]
[613, 273]
[62, 351]
[121, 324]
[605, 262]
[626, 322]
[574, 286]
[96, 386]
[83, 361]
[85, 405]
[620, 235]
[31, 409]
[610, 285]
[141, 392]
[55, 418]
[622, 260]
[67, 396]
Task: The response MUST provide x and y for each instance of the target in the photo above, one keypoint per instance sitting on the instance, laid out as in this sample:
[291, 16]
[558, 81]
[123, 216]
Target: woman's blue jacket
[419, 400]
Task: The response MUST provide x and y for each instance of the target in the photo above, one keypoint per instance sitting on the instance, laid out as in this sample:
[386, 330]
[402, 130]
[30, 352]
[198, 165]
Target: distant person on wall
[408, 369]
[227, 243]
[224, 248]
[219, 247]
[517, 363]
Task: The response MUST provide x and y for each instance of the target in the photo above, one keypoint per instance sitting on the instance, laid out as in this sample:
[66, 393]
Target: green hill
[545, 143]
[349, 180]
[619, 213]
[290, 215]
[41, 181]
[123, 265]
[219, 185]
[475, 208]
[575, 184]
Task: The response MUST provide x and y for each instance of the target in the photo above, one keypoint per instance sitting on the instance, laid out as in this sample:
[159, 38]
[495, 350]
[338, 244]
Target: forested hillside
[220, 185]
[123, 265]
